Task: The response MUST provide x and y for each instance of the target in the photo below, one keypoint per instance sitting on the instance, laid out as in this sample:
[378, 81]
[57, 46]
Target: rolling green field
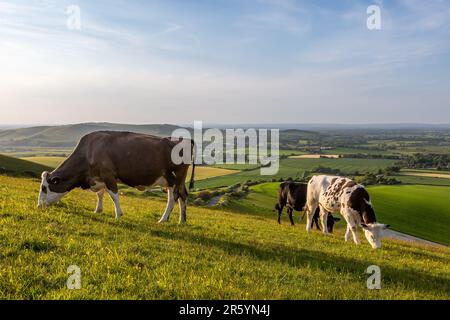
[422, 211]
[228, 253]
[19, 167]
[295, 168]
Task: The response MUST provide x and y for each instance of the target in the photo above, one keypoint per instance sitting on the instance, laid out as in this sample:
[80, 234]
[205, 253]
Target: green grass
[295, 168]
[227, 253]
[16, 166]
[422, 211]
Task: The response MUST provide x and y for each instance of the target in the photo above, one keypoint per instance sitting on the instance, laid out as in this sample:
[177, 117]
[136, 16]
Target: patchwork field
[230, 253]
[296, 167]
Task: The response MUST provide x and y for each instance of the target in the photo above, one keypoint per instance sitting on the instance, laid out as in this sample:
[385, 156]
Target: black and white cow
[293, 196]
[351, 200]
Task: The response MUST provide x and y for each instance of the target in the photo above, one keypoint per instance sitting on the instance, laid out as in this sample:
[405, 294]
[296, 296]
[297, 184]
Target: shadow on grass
[324, 261]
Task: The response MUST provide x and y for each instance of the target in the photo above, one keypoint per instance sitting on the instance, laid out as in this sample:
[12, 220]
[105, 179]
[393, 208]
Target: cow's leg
[323, 220]
[279, 208]
[182, 204]
[309, 216]
[315, 221]
[351, 226]
[115, 198]
[348, 233]
[289, 211]
[169, 206]
[100, 196]
[182, 198]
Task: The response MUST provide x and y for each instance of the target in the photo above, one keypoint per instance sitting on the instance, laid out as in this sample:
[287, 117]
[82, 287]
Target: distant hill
[68, 135]
[19, 167]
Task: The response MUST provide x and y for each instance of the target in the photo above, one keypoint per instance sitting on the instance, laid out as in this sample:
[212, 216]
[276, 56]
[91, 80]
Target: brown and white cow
[351, 200]
[102, 159]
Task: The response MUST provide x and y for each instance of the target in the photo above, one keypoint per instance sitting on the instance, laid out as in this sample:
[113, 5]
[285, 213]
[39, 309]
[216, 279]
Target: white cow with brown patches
[342, 195]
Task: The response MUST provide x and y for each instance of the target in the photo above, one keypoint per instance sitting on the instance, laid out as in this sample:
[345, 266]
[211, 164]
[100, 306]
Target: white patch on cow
[169, 206]
[115, 199]
[374, 232]
[47, 197]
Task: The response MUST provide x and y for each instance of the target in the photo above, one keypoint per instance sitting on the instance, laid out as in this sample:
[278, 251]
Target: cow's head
[330, 222]
[374, 233]
[52, 189]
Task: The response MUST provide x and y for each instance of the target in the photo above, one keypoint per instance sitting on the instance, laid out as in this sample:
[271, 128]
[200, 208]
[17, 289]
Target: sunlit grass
[231, 253]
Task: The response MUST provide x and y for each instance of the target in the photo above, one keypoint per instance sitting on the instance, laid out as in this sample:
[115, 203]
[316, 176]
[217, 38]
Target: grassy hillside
[68, 135]
[221, 253]
[422, 211]
[16, 166]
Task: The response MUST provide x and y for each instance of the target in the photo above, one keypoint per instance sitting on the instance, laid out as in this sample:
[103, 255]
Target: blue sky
[225, 61]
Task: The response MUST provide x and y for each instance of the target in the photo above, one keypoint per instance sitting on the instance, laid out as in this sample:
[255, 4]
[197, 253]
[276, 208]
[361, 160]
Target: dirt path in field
[406, 237]
[426, 174]
[214, 201]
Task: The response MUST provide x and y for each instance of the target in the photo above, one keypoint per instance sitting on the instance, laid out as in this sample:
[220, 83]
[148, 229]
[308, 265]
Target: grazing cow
[338, 194]
[102, 159]
[293, 196]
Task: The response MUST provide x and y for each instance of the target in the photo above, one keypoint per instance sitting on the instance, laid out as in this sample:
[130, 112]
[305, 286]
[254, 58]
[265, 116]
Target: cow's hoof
[98, 211]
[162, 221]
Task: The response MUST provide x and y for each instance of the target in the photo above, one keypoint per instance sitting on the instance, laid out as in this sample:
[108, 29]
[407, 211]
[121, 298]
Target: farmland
[234, 250]
[297, 167]
[228, 253]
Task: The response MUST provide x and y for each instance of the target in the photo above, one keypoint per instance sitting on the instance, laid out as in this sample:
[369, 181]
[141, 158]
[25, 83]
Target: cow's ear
[55, 180]
[44, 175]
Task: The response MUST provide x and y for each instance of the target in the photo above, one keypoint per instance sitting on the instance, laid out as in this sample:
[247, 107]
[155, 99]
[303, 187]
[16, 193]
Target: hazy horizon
[283, 126]
[225, 61]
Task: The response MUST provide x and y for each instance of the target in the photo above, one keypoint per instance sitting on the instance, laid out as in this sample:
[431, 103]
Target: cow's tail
[191, 183]
[306, 209]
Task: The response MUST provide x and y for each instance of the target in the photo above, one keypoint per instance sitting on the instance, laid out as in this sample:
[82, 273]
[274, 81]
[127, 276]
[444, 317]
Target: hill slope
[68, 135]
[229, 254]
[14, 166]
